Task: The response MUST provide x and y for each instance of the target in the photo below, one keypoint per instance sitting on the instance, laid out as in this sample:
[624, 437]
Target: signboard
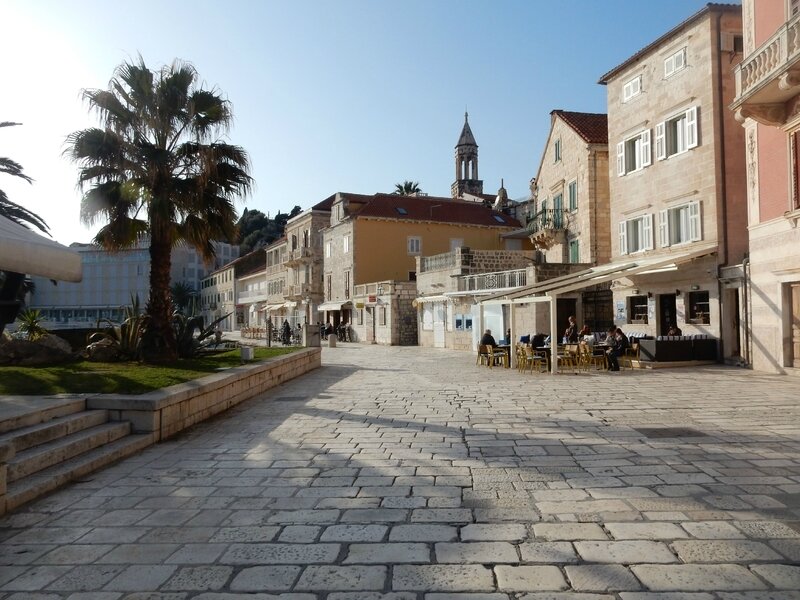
[372, 299]
[359, 305]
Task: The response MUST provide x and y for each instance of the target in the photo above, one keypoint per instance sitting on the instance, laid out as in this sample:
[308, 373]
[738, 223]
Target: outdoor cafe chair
[532, 359]
[631, 355]
[494, 356]
[567, 356]
[587, 359]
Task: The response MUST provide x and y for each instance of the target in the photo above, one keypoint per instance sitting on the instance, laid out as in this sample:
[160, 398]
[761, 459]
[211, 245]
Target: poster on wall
[651, 310]
[619, 313]
[680, 310]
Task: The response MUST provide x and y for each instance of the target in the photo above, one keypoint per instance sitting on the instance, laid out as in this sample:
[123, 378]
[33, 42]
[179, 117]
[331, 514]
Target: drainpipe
[748, 355]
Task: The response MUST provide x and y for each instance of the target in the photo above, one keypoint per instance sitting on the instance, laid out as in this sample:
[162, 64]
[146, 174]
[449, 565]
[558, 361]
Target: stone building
[467, 181]
[677, 181]
[767, 103]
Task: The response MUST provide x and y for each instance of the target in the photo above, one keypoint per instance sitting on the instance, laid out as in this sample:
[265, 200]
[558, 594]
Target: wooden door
[795, 319]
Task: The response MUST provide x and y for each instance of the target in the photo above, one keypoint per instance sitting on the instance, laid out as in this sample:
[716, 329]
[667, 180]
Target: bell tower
[466, 164]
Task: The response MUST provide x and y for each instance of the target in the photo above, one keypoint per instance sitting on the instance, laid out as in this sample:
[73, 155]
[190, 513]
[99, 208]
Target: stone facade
[676, 178]
[767, 105]
[571, 164]
[304, 262]
[383, 313]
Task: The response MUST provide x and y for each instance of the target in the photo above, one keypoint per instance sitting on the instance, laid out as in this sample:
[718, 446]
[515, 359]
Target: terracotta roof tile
[592, 127]
[434, 208]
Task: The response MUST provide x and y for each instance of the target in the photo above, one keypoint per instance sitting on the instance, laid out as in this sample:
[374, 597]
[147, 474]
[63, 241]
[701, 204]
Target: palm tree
[157, 167]
[407, 188]
[182, 294]
[11, 210]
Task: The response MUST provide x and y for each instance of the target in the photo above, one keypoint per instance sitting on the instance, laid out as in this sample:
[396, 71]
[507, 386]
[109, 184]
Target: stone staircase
[48, 442]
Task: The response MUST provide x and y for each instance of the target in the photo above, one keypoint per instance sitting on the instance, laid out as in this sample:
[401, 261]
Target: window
[636, 234]
[346, 244]
[328, 250]
[699, 308]
[572, 194]
[464, 322]
[382, 316]
[679, 225]
[574, 252]
[401, 211]
[634, 153]
[675, 63]
[677, 135]
[558, 214]
[557, 150]
[499, 219]
[427, 316]
[414, 245]
[637, 309]
[360, 316]
[412, 275]
[632, 88]
[328, 287]
[456, 243]
[347, 284]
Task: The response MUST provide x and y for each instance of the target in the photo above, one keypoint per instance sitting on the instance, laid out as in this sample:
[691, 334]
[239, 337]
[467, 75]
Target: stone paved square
[412, 474]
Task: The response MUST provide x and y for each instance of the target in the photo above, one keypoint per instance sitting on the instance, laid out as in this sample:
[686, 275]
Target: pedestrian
[571, 332]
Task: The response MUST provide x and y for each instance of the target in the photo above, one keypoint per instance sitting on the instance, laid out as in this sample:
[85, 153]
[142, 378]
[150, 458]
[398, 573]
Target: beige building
[304, 261]
[767, 103]
[218, 297]
[376, 239]
[677, 181]
[568, 213]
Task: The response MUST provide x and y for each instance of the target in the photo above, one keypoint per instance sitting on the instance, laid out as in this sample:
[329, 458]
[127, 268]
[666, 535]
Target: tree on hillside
[11, 210]
[257, 230]
[407, 188]
[158, 166]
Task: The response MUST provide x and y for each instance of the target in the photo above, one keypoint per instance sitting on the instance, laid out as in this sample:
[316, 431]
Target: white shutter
[663, 228]
[647, 232]
[645, 148]
[621, 158]
[623, 237]
[691, 128]
[695, 228]
[661, 141]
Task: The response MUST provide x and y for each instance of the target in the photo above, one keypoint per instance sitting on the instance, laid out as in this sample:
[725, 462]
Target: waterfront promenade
[412, 474]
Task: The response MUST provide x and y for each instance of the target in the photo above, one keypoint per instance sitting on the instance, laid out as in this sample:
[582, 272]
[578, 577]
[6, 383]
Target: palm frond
[20, 215]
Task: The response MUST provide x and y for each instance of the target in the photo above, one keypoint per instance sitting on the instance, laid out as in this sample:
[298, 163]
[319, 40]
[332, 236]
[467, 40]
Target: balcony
[300, 256]
[493, 281]
[250, 296]
[302, 290]
[438, 262]
[548, 227]
[769, 77]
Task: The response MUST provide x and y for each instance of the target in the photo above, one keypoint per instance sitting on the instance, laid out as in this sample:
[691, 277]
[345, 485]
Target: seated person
[674, 330]
[537, 341]
[487, 339]
[617, 343]
[584, 332]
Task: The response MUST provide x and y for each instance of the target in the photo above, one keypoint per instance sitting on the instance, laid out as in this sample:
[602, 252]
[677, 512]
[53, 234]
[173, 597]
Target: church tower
[466, 164]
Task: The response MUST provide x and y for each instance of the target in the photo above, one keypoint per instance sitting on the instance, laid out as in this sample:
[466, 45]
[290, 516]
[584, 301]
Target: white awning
[273, 307]
[660, 263]
[332, 306]
[23, 251]
[424, 299]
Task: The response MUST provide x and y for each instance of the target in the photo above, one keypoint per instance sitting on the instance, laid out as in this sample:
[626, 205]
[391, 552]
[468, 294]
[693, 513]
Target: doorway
[794, 317]
[666, 313]
[565, 308]
[438, 324]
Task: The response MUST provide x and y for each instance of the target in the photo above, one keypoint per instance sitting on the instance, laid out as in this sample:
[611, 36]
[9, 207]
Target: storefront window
[699, 308]
[637, 310]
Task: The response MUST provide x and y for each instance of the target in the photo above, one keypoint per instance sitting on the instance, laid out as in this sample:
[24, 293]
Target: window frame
[637, 309]
[690, 221]
[698, 299]
[574, 251]
[572, 195]
[346, 244]
[670, 67]
[416, 242]
[644, 233]
[686, 135]
[628, 92]
[557, 150]
[642, 153]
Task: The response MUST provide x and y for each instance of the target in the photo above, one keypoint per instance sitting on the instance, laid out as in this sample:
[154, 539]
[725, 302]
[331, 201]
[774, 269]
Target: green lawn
[117, 378]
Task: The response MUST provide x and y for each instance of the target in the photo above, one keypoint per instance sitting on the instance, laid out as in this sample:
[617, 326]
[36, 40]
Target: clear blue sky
[328, 95]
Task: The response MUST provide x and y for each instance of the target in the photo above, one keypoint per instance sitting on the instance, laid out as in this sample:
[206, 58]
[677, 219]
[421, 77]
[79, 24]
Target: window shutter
[695, 229]
[691, 128]
[647, 232]
[663, 228]
[661, 141]
[623, 237]
[621, 158]
[645, 148]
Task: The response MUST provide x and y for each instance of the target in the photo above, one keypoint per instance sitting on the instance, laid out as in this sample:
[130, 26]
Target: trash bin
[247, 353]
[332, 340]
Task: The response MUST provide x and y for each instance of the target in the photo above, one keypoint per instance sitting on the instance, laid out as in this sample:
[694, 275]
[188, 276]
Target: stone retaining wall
[164, 413]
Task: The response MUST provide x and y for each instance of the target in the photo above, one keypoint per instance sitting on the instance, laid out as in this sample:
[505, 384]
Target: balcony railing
[763, 78]
[252, 294]
[303, 289]
[299, 255]
[548, 220]
[492, 281]
[438, 262]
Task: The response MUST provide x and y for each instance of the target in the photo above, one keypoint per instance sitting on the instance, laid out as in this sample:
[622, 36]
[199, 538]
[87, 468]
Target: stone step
[17, 412]
[24, 490]
[51, 453]
[41, 433]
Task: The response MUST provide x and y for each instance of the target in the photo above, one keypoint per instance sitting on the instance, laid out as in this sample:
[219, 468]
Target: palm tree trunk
[160, 345]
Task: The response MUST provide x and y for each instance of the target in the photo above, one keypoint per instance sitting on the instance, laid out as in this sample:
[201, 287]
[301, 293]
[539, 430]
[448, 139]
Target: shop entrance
[666, 313]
